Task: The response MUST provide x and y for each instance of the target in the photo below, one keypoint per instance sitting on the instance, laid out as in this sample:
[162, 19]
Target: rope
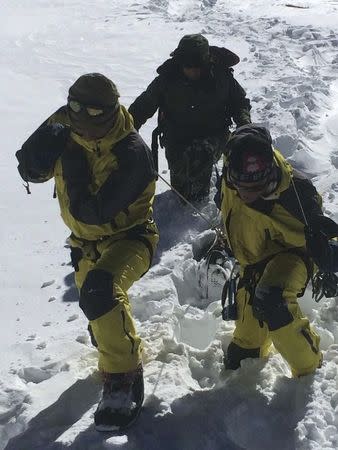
[300, 203]
[197, 211]
[324, 284]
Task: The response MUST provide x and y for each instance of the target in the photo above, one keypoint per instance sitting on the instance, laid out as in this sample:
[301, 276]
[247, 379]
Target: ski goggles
[252, 187]
[91, 110]
[248, 186]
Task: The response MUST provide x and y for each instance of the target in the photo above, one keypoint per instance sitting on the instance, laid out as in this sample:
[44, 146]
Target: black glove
[323, 223]
[322, 250]
[324, 284]
[41, 150]
[50, 142]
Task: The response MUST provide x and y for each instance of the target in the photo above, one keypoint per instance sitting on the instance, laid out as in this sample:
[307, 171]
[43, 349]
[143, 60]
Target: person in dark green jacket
[198, 99]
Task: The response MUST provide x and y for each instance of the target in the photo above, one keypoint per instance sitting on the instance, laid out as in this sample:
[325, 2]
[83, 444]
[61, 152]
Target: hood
[220, 58]
[286, 171]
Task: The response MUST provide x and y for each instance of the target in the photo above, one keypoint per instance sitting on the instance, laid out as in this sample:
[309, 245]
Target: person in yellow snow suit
[105, 184]
[263, 203]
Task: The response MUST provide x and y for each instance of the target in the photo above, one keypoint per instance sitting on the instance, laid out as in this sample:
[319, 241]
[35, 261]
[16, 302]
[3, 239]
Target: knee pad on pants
[270, 307]
[235, 354]
[96, 295]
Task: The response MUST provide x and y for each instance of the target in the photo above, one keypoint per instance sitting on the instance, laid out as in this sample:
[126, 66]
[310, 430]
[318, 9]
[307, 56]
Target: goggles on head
[91, 110]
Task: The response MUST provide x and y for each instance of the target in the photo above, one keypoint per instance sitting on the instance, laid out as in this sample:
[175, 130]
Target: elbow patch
[96, 294]
[270, 307]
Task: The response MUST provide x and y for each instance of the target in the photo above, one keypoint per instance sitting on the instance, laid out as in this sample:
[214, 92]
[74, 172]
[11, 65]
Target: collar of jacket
[220, 57]
[286, 174]
[122, 127]
[172, 70]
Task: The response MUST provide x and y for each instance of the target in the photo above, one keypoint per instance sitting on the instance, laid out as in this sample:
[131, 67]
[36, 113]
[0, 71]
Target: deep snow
[49, 385]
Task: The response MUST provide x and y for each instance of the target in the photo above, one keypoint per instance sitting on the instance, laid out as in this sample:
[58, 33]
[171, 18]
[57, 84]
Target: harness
[88, 249]
[250, 278]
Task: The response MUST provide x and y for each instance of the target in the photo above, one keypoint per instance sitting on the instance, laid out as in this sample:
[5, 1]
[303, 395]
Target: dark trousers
[191, 164]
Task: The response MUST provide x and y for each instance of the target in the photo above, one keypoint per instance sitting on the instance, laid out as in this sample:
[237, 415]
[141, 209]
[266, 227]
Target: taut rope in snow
[210, 224]
[300, 203]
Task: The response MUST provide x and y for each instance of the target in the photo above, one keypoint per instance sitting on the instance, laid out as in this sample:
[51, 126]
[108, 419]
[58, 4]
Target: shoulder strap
[301, 199]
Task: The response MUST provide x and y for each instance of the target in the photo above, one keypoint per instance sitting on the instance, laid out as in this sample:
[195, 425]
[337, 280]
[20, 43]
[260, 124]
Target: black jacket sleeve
[239, 105]
[118, 192]
[309, 204]
[147, 103]
[39, 153]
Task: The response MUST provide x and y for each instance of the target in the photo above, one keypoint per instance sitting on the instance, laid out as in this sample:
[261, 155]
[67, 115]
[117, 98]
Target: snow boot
[235, 354]
[121, 402]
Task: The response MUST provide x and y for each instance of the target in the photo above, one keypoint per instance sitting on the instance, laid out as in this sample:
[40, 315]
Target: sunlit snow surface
[49, 385]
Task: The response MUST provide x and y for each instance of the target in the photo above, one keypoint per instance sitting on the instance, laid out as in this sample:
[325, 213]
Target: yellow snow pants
[296, 341]
[105, 272]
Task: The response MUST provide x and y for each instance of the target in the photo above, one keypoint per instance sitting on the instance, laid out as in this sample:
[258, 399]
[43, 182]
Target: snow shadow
[71, 294]
[231, 417]
[50, 423]
[175, 220]
[234, 416]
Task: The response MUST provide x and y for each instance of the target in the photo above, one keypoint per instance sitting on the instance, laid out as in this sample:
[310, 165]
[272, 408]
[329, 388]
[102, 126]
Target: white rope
[210, 224]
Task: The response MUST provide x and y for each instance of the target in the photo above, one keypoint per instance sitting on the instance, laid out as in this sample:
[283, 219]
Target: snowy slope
[48, 379]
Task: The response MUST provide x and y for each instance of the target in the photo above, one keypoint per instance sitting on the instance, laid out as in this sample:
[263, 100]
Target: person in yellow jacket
[264, 201]
[105, 184]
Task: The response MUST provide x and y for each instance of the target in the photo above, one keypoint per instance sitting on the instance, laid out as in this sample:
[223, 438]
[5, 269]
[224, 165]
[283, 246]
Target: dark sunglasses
[91, 110]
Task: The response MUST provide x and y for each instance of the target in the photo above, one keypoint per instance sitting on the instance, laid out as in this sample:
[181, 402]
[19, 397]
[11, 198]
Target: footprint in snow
[47, 283]
[41, 346]
[34, 375]
[31, 337]
[82, 339]
[73, 317]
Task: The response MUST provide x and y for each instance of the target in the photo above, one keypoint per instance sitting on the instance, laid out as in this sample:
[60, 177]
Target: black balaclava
[96, 90]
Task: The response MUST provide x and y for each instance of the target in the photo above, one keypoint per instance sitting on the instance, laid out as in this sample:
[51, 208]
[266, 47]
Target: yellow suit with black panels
[105, 189]
[267, 238]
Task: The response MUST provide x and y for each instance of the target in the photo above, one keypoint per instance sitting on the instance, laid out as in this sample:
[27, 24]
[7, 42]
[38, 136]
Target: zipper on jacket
[98, 150]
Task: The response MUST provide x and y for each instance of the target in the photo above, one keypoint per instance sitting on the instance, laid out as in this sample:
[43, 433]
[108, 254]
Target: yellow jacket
[104, 187]
[268, 226]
